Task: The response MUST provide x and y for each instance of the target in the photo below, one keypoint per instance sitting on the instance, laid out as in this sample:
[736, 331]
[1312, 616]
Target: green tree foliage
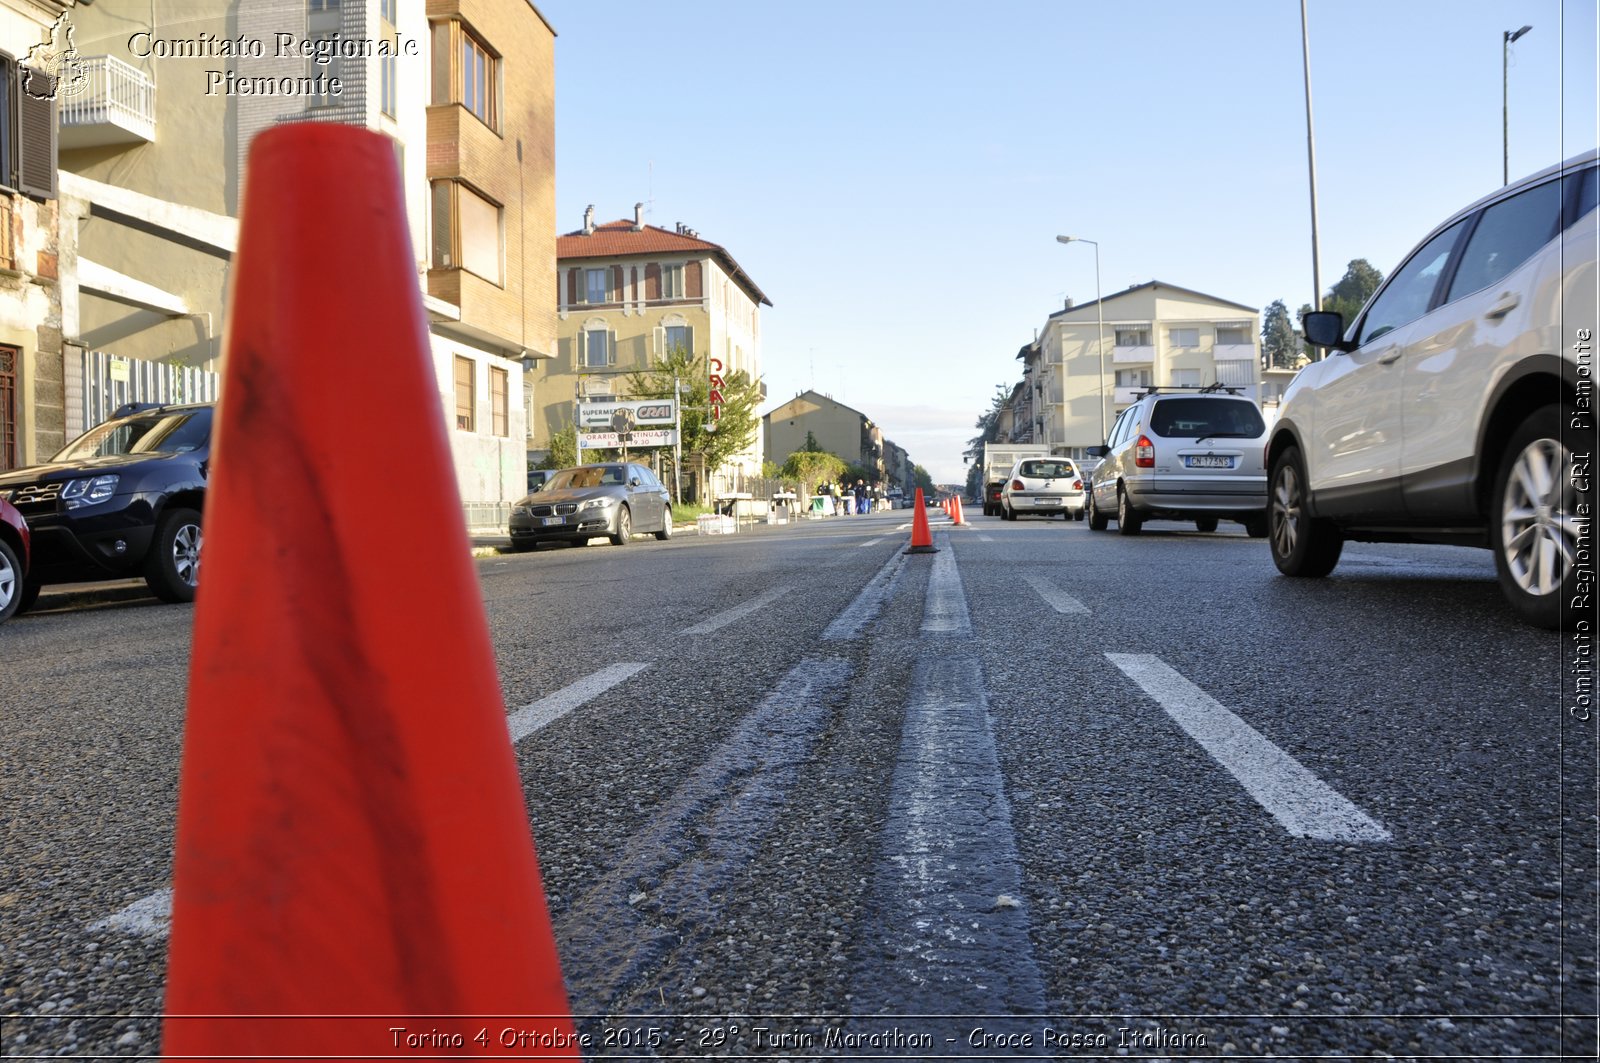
[922, 479]
[1280, 343]
[1360, 280]
[563, 450]
[704, 440]
[987, 424]
[811, 442]
[811, 467]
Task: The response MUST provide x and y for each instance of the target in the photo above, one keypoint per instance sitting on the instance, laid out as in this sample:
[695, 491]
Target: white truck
[998, 458]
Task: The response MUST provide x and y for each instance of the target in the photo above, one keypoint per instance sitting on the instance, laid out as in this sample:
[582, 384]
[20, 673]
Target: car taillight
[1144, 453]
[1077, 485]
[1016, 485]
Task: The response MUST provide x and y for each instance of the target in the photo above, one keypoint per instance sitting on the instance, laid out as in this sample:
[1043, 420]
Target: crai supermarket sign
[638, 423]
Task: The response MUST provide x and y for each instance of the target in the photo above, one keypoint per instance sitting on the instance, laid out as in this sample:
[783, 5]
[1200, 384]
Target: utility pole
[1507, 39]
[1311, 162]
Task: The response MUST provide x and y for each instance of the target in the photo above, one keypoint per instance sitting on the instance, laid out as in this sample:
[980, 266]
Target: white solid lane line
[875, 542]
[542, 713]
[1058, 599]
[1303, 804]
[864, 610]
[945, 610]
[728, 616]
[153, 914]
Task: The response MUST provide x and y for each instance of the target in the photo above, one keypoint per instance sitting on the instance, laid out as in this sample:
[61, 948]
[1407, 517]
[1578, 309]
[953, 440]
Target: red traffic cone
[354, 874]
[955, 509]
[921, 540]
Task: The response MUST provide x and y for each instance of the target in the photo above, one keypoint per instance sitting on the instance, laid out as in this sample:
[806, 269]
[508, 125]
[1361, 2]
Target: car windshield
[1200, 418]
[588, 476]
[156, 432]
[1045, 470]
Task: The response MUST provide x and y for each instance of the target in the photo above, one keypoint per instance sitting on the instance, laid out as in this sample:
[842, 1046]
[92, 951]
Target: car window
[1045, 470]
[1587, 195]
[1409, 293]
[1195, 417]
[1507, 236]
[589, 476]
[1120, 430]
[169, 432]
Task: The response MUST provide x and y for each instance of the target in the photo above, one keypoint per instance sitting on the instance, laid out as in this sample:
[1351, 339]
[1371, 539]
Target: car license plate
[1208, 461]
[547, 521]
[1047, 501]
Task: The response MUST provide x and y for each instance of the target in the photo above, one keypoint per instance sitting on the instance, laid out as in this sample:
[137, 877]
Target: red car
[13, 558]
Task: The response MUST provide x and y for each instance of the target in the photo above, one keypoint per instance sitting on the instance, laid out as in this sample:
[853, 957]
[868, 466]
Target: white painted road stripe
[1303, 804]
[945, 610]
[147, 915]
[864, 610]
[542, 713]
[986, 538]
[728, 616]
[875, 542]
[1058, 599]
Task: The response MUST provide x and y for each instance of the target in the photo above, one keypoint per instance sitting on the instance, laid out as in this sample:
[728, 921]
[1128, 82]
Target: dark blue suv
[124, 499]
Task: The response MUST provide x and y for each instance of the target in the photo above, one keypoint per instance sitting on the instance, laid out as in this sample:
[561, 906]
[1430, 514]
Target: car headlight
[594, 503]
[87, 492]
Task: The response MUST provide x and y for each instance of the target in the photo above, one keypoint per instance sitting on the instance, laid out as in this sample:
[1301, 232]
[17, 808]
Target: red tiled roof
[617, 239]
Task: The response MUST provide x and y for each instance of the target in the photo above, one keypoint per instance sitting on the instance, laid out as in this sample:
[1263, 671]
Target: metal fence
[98, 382]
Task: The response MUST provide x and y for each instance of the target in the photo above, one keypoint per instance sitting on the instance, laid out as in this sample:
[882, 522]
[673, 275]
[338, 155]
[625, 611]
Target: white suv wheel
[1536, 520]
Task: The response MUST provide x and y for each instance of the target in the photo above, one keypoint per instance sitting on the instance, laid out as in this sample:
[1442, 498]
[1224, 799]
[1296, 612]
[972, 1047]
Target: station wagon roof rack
[1197, 389]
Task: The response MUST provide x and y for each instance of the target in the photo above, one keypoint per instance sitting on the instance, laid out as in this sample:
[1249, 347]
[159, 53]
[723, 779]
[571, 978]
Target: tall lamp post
[1508, 38]
[1099, 313]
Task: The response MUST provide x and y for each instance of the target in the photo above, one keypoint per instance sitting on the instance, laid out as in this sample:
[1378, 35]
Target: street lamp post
[1508, 38]
[1099, 313]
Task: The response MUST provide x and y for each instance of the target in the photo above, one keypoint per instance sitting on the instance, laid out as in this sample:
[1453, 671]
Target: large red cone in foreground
[353, 852]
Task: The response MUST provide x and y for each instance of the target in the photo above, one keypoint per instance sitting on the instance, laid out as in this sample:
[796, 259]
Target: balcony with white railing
[1133, 355]
[114, 103]
[1234, 352]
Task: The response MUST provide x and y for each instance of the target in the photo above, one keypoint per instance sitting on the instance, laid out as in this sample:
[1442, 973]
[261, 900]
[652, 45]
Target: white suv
[1458, 408]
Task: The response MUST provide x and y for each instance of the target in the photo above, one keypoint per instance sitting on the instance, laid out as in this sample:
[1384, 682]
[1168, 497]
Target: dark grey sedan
[576, 505]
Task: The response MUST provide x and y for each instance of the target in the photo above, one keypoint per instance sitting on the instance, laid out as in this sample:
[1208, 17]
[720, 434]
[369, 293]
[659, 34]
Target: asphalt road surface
[1046, 792]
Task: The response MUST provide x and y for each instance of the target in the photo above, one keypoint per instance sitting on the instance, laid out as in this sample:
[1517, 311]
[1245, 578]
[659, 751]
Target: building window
[1133, 337]
[672, 282]
[466, 395]
[1234, 335]
[1133, 378]
[1185, 378]
[1183, 337]
[322, 25]
[467, 231]
[499, 401]
[595, 285]
[466, 71]
[595, 349]
[677, 337]
[27, 130]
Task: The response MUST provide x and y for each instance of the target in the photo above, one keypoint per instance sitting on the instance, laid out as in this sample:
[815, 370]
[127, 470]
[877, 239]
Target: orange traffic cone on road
[921, 539]
[955, 507]
[354, 874]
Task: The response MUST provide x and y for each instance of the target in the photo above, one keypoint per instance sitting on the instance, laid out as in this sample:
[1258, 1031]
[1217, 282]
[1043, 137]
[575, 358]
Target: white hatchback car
[1046, 486]
[1459, 406]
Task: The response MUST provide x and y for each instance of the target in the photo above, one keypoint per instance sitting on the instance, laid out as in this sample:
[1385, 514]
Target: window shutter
[572, 287]
[615, 294]
[658, 340]
[36, 137]
[691, 280]
[652, 281]
[688, 340]
[611, 348]
[583, 344]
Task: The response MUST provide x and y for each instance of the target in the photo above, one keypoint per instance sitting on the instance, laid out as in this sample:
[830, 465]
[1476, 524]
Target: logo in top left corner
[53, 67]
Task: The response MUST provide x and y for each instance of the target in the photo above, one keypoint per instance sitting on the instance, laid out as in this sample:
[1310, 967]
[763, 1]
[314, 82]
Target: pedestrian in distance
[861, 497]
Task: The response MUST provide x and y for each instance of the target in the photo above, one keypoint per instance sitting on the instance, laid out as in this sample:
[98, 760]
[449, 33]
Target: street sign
[598, 415]
[649, 437]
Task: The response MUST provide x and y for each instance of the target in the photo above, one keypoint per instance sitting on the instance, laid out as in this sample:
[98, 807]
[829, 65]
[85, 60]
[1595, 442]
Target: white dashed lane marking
[542, 713]
[1303, 804]
[1054, 596]
[738, 612]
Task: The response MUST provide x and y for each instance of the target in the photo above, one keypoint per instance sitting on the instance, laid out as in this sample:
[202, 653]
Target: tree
[1360, 280]
[811, 467]
[811, 442]
[704, 440]
[1280, 343]
[923, 480]
[563, 450]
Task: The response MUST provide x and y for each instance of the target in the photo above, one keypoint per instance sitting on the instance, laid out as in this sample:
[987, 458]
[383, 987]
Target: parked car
[1045, 486]
[13, 559]
[123, 499]
[537, 478]
[1450, 410]
[575, 505]
[1182, 454]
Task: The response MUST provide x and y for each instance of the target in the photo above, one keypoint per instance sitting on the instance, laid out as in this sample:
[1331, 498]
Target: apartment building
[154, 153]
[32, 252]
[630, 293]
[1154, 334]
[837, 429]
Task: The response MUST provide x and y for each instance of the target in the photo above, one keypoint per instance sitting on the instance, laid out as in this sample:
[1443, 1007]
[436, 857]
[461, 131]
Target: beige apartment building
[1154, 334]
[153, 152]
[630, 293]
[32, 251]
[838, 429]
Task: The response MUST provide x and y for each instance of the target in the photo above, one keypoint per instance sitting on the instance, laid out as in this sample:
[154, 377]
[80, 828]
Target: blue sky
[893, 174]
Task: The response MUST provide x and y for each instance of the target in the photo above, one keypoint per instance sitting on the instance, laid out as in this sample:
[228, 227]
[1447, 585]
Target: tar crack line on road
[1303, 804]
[662, 898]
[864, 610]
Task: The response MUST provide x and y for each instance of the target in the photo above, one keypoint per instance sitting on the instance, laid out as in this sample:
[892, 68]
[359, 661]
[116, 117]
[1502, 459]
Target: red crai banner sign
[717, 384]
